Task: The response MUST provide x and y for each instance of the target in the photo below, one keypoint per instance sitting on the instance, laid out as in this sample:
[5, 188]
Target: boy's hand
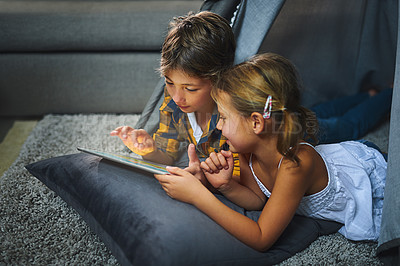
[194, 165]
[218, 168]
[137, 140]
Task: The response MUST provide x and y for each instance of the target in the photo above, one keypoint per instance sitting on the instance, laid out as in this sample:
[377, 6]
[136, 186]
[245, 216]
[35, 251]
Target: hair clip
[268, 107]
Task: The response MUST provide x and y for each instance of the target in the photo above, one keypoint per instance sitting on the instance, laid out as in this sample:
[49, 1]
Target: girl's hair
[250, 83]
[201, 45]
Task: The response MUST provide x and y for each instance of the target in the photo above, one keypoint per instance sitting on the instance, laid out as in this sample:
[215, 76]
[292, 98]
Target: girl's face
[236, 128]
[191, 94]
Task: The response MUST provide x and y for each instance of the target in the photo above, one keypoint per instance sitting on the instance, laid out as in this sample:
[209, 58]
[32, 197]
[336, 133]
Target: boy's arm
[166, 138]
[159, 156]
[162, 147]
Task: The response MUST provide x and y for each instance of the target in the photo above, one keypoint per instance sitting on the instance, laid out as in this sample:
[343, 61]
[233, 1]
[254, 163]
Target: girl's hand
[218, 169]
[137, 140]
[181, 185]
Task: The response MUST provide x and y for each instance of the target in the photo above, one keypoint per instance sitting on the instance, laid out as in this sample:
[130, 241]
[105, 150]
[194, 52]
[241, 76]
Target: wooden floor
[13, 134]
[5, 126]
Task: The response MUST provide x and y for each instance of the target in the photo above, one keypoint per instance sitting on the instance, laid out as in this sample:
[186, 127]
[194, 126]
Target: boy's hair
[250, 83]
[202, 45]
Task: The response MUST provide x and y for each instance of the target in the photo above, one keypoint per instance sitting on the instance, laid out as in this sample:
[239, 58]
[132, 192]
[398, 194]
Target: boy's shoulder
[168, 104]
[169, 109]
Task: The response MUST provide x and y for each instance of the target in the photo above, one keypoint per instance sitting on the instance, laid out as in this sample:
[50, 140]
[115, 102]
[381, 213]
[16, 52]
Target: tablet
[151, 167]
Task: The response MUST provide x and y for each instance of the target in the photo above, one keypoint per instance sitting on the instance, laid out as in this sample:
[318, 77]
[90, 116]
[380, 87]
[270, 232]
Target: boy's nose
[178, 97]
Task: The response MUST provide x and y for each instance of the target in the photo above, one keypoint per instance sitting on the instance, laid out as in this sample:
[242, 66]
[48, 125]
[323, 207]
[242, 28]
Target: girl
[280, 173]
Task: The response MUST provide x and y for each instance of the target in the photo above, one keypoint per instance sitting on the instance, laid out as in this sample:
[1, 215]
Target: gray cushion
[87, 25]
[37, 84]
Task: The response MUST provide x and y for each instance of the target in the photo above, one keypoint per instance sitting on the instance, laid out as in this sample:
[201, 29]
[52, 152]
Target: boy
[197, 48]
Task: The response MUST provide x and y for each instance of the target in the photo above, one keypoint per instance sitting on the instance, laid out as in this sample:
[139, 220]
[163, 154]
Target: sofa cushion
[87, 25]
[34, 84]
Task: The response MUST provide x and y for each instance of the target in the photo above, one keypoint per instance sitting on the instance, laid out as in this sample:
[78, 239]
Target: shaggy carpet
[38, 227]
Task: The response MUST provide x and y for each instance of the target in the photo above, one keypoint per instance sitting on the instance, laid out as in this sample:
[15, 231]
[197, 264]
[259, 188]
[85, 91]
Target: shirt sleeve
[236, 164]
[166, 137]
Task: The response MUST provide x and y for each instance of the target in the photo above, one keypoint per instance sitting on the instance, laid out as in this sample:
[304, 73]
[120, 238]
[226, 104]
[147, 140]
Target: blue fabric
[338, 106]
[351, 117]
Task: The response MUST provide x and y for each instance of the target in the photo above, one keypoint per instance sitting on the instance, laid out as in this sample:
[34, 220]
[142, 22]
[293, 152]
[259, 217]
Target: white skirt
[354, 194]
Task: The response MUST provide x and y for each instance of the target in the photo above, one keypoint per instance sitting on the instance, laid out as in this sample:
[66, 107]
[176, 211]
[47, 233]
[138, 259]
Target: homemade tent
[339, 47]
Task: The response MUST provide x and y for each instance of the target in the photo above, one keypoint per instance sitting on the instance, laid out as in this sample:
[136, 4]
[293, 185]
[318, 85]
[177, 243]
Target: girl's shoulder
[305, 153]
[308, 161]
[310, 169]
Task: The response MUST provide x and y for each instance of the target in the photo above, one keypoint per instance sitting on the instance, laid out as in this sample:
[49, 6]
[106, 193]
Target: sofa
[81, 56]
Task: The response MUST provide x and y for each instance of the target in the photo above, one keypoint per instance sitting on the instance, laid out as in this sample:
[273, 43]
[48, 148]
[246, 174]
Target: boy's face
[191, 94]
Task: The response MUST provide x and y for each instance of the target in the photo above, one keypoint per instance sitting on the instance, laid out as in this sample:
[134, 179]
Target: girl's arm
[288, 190]
[243, 196]
[218, 170]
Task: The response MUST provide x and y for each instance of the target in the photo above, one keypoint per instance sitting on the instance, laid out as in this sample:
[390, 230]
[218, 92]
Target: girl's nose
[219, 124]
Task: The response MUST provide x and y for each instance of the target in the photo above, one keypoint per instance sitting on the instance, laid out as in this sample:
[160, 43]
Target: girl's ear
[257, 122]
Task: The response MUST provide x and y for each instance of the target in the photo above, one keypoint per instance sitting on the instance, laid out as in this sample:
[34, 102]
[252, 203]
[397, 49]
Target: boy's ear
[257, 122]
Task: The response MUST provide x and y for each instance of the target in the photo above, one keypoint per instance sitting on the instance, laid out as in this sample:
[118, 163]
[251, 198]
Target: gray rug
[37, 227]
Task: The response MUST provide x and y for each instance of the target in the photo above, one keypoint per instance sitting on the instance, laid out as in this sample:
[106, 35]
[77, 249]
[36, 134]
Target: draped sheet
[389, 241]
[340, 47]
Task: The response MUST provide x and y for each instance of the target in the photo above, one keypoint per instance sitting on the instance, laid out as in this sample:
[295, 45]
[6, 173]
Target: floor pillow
[141, 225]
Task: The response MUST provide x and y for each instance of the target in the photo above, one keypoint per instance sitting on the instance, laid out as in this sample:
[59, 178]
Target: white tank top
[354, 194]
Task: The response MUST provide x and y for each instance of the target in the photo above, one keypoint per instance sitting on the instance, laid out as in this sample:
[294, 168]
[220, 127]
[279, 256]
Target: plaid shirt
[175, 129]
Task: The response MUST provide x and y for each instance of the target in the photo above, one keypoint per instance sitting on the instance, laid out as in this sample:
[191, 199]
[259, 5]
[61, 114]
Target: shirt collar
[170, 106]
